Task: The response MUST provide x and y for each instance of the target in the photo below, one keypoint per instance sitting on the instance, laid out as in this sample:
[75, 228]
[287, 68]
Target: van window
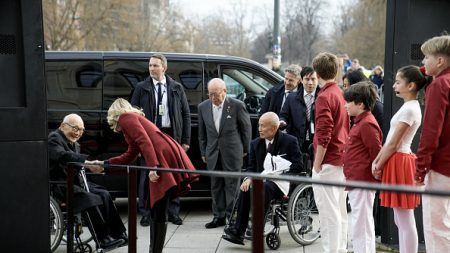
[121, 76]
[190, 75]
[73, 87]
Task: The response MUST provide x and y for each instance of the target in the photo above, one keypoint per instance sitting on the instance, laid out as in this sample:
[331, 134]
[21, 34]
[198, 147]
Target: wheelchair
[298, 211]
[58, 229]
[83, 233]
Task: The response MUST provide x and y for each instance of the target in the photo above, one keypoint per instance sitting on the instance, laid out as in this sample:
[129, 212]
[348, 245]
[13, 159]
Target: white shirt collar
[312, 93]
[268, 142]
[218, 106]
[164, 81]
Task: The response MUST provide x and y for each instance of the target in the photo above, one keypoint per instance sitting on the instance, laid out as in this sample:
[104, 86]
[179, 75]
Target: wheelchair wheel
[303, 216]
[273, 241]
[83, 248]
[82, 230]
[56, 224]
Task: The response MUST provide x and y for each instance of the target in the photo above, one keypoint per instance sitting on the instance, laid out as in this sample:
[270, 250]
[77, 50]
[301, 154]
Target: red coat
[158, 150]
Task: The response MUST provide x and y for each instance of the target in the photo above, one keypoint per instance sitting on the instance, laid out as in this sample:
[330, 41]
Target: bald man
[63, 148]
[272, 141]
[224, 133]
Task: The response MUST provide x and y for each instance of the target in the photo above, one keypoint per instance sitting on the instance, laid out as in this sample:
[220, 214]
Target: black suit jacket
[294, 114]
[283, 144]
[60, 152]
[180, 119]
[273, 100]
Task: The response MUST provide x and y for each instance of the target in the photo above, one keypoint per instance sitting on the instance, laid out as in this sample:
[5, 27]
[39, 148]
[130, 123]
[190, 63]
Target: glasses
[75, 128]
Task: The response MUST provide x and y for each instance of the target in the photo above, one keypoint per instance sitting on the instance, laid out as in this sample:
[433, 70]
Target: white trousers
[331, 202]
[436, 214]
[363, 227]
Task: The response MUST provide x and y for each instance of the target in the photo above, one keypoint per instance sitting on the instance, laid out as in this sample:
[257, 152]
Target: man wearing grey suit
[224, 133]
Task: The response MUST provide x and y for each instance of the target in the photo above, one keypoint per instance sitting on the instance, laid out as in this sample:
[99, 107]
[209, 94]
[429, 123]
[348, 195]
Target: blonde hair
[116, 109]
[437, 45]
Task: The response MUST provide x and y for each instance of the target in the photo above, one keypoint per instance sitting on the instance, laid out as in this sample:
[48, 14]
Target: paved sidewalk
[193, 237]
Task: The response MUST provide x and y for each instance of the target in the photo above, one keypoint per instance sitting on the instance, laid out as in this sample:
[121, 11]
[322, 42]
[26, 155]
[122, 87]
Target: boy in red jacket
[363, 145]
[331, 132]
[433, 156]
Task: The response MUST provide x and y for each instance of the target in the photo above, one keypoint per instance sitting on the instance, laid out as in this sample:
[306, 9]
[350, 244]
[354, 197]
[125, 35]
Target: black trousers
[158, 213]
[105, 218]
[271, 191]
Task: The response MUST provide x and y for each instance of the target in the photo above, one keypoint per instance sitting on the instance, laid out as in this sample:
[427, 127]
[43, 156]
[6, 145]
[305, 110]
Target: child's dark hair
[362, 92]
[306, 71]
[412, 73]
[356, 76]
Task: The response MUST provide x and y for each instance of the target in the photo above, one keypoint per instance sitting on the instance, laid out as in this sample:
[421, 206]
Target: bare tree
[302, 28]
[361, 31]
[68, 23]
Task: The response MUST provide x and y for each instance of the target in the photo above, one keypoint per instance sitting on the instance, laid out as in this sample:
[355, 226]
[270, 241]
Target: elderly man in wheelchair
[270, 145]
[91, 199]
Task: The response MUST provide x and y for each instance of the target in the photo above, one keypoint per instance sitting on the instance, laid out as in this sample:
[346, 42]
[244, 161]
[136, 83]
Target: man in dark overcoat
[164, 103]
[64, 148]
[272, 141]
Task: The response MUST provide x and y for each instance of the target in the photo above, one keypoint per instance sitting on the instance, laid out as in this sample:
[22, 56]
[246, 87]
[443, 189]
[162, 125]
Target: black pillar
[409, 23]
[24, 199]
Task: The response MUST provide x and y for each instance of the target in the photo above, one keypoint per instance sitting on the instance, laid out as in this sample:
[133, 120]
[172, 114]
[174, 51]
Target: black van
[87, 83]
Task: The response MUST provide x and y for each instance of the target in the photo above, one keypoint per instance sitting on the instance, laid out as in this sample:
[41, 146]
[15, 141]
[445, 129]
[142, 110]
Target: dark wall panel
[22, 96]
[24, 197]
[409, 23]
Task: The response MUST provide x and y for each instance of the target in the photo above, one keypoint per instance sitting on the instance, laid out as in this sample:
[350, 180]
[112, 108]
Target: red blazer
[158, 150]
[332, 123]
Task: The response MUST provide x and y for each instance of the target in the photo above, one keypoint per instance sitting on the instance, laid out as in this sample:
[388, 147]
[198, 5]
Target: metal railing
[257, 195]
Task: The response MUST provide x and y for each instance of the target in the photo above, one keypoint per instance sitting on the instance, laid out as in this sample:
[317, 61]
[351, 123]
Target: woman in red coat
[158, 150]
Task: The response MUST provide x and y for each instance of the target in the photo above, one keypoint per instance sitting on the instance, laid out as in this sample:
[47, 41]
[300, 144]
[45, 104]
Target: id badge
[162, 110]
[312, 128]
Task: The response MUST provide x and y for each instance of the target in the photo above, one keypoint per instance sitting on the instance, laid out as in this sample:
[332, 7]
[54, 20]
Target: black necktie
[159, 103]
[270, 148]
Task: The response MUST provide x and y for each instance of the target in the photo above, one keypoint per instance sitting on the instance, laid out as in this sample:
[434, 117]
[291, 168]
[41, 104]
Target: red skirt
[400, 169]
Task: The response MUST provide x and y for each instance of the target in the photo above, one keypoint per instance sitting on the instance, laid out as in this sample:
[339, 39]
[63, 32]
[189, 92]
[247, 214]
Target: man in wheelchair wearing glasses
[64, 148]
[272, 141]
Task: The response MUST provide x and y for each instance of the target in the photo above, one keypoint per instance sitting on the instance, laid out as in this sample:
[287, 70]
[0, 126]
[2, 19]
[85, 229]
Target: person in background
[357, 76]
[165, 104]
[433, 157]
[224, 133]
[363, 145]
[63, 148]
[297, 113]
[331, 133]
[395, 164]
[272, 141]
[377, 76]
[159, 150]
[357, 66]
[276, 96]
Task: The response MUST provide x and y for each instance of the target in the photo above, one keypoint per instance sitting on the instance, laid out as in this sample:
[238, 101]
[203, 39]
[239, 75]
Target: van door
[248, 84]
[75, 86]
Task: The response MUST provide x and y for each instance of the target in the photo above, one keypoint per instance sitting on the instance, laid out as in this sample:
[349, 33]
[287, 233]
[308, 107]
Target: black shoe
[110, 242]
[123, 237]
[233, 236]
[175, 219]
[145, 221]
[216, 222]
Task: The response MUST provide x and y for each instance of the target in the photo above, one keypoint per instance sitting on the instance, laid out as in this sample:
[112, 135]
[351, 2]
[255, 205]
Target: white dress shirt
[165, 119]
